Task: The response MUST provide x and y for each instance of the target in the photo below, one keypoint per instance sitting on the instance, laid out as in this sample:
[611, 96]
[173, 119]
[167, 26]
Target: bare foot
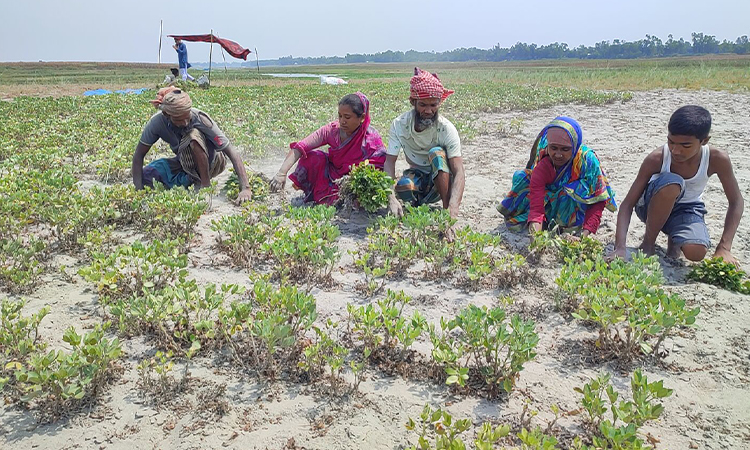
[649, 250]
[673, 251]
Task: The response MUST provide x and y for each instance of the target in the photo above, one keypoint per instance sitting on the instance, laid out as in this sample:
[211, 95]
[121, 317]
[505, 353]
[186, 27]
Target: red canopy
[231, 47]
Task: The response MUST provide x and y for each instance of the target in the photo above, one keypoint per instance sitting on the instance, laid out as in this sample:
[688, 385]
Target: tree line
[648, 47]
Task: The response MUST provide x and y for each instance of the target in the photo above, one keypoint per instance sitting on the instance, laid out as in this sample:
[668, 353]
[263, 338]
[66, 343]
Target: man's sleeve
[452, 141]
[394, 143]
[212, 132]
[150, 133]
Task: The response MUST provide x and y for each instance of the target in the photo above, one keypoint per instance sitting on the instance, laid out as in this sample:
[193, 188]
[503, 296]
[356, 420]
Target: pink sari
[317, 169]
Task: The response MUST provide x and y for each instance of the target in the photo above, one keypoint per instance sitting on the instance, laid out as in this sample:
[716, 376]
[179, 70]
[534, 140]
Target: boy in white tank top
[667, 192]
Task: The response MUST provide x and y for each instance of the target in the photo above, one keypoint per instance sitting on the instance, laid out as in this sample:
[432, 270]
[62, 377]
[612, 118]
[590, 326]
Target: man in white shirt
[432, 148]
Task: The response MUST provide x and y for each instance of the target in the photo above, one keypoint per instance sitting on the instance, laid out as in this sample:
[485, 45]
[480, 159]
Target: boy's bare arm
[650, 166]
[721, 165]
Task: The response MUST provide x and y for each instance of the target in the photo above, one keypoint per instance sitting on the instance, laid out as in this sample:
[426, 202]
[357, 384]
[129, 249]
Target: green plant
[440, 424]
[19, 337]
[719, 273]
[626, 301]
[171, 213]
[181, 317]
[258, 185]
[384, 327]
[298, 245]
[131, 269]
[55, 383]
[368, 186]
[514, 127]
[268, 328]
[536, 439]
[566, 247]
[20, 267]
[481, 341]
[579, 249]
[157, 380]
[621, 432]
[326, 352]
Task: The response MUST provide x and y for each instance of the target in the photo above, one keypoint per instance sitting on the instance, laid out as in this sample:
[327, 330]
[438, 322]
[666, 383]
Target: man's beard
[423, 122]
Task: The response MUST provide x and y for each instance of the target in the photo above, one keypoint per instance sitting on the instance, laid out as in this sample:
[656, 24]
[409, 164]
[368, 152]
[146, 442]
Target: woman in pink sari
[351, 140]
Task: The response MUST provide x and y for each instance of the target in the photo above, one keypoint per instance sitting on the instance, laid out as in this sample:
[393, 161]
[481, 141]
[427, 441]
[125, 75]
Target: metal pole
[257, 64]
[161, 31]
[210, 55]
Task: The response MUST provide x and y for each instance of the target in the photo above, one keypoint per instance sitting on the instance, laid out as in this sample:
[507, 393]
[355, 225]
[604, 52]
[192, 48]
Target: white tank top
[695, 186]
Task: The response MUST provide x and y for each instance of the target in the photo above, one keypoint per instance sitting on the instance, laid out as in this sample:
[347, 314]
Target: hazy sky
[88, 30]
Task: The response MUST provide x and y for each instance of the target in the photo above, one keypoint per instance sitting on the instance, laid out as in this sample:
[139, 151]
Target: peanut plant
[326, 352]
[268, 328]
[717, 272]
[133, 268]
[157, 380]
[438, 430]
[298, 245]
[58, 382]
[473, 260]
[479, 345]
[20, 264]
[385, 327]
[19, 337]
[627, 416]
[626, 301]
[258, 185]
[367, 186]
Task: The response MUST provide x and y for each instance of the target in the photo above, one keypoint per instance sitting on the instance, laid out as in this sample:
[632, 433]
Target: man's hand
[245, 195]
[617, 253]
[394, 206]
[727, 255]
[278, 182]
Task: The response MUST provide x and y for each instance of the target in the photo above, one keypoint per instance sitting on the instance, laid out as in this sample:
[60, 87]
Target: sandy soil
[708, 366]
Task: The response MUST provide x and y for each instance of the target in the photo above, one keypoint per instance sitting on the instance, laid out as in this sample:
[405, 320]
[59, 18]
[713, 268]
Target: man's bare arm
[456, 165]
[137, 165]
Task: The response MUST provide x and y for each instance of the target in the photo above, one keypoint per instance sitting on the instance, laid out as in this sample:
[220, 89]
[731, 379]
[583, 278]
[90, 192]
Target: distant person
[351, 140]
[171, 78]
[563, 186]
[182, 59]
[667, 192]
[432, 149]
[199, 145]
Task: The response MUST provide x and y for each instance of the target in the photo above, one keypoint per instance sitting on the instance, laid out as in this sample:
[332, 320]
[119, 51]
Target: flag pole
[210, 55]
[161, 32]
[257, 64]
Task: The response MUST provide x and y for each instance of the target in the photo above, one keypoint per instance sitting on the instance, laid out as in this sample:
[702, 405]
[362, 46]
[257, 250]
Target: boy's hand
[620, 253]
[727, 255]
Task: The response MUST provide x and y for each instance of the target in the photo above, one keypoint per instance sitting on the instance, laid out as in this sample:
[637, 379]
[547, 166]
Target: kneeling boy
[667, 192]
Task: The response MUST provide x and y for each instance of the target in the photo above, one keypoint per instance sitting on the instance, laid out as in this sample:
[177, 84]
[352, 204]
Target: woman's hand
[278, 182]
[535, 227]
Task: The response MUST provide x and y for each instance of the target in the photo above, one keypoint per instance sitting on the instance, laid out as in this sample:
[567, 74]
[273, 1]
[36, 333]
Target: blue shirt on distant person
[182, 55]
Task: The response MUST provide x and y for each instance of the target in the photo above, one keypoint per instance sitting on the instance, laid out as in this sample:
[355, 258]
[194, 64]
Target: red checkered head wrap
[427, 85]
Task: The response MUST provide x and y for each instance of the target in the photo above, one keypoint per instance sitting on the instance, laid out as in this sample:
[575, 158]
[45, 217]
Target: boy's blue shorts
[686, 224]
